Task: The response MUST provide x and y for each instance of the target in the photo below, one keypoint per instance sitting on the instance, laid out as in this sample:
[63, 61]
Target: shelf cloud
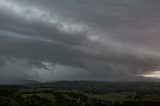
[109, 40]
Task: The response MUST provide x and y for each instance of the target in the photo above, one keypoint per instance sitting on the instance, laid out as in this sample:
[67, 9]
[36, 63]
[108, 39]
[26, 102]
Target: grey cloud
[107, 39]
[20, 70]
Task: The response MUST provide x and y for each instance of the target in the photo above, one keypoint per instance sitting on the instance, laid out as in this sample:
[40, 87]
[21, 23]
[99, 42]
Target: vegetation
[97, 94]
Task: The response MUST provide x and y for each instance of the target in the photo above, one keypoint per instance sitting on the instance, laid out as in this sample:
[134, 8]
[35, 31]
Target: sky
[106, 40]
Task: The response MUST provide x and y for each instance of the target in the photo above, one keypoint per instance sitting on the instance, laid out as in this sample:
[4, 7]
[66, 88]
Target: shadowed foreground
[79, 93]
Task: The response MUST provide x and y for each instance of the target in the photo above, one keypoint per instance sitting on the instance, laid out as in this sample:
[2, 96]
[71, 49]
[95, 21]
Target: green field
[83, 94]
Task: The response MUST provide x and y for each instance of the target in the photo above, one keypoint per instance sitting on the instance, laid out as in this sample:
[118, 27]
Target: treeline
[14, 97]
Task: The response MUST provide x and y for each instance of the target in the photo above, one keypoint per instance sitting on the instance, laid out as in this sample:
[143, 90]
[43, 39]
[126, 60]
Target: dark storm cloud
[110, 39]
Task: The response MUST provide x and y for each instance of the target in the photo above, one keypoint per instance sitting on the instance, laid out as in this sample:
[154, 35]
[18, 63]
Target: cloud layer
[78, 40]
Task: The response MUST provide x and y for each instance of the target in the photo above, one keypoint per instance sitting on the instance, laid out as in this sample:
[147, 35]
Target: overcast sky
[50, 40]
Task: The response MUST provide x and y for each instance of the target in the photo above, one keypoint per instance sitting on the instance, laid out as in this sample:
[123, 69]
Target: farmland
[81, 93]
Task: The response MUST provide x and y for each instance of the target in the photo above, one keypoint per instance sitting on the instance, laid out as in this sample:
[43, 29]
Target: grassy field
[66, 94]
